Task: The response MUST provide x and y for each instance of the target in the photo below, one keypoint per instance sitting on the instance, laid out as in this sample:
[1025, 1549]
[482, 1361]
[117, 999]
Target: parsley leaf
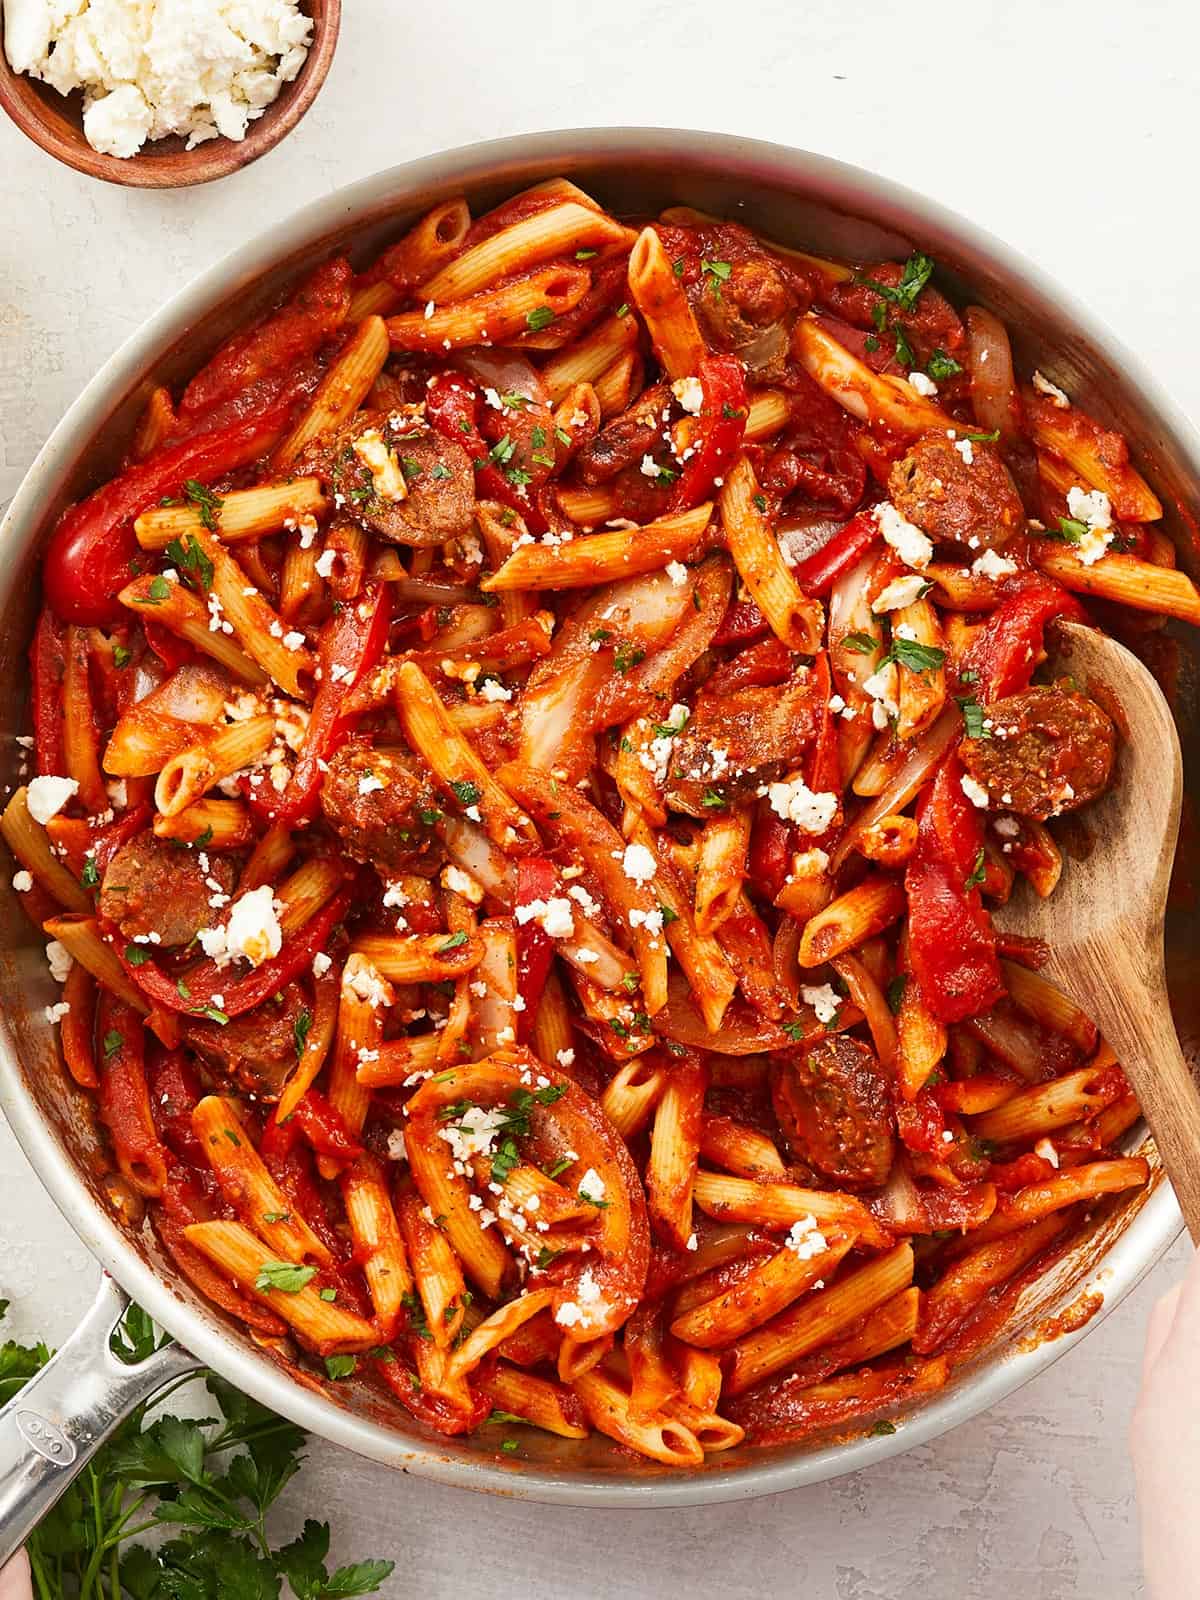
[916, 657]
[158, 591]
[862, 643]
[717, 273]
[90, 876]
[467, 793]
[186, 554]
[973, 718]
[453, 942]
[206, 503]
[285, 1276]
[940, 366]
[978, 872]
[340, 1366]
[1069, 530]
[300, 1031]
[540, 317]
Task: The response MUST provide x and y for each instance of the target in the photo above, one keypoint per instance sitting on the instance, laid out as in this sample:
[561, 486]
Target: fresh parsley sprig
[209, 1482]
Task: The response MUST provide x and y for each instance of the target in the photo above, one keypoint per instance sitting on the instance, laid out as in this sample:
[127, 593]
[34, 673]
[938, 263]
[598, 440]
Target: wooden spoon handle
[1146, 1045]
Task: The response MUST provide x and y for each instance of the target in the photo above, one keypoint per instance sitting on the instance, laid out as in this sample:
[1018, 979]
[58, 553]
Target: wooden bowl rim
[176, 167]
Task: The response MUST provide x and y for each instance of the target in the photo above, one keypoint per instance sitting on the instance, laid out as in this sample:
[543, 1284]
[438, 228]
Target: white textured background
[1067, 130]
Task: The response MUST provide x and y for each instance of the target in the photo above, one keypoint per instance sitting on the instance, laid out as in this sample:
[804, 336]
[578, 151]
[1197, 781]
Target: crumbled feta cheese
[293, 640]
[59, 958]
[397, 1150]
[882, 688]
[638, 864]
[690, 394]
[492, 690]
[652, 921]
[555, 916]
[677, 573]
[824, 1000]
[22, 881]
[56, 1013]
[369, 783]
[565, 1058]
[806, 1239]
[462, 883]
[922, 383]
[795, 802]
[252, 933]
[1051, 390]
[993, 565]
[381, 463]
[1007, 827]
[324, 562]
[693, 1242]
[46, 797]
[974, 791]
[150, 70]
[321, 964]
[1094, 510]
[900, 592]
[907, 540]
[810, 863]
[592, 1187]
[649, 467]
[365, 984]
[966, 450]
[474, 1133]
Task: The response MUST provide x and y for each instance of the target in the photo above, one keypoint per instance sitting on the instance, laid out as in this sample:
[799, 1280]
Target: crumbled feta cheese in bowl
[198, 69]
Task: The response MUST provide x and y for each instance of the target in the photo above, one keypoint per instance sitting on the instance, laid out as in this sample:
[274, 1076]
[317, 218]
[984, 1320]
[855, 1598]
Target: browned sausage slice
[439, 480]
[733, 745]
[155, 888]
[958, 492]
[383, 814]
[831, 1101]
[1050, 749]
[256, 1051]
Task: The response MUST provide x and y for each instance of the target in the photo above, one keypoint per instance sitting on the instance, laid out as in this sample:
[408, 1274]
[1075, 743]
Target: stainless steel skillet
[797, 198]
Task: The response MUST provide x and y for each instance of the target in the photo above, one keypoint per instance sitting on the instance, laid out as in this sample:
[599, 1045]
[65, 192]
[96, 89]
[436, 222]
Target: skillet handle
[54, 1426]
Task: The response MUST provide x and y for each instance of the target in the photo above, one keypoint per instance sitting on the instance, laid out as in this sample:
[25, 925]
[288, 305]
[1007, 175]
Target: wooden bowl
[55, 122]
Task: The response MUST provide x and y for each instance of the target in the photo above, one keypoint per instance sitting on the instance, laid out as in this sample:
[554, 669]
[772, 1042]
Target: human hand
[14, 1579]
[1164, 1441]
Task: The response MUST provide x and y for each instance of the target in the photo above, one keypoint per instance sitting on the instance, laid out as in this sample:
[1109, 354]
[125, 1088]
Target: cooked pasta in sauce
[524, 755]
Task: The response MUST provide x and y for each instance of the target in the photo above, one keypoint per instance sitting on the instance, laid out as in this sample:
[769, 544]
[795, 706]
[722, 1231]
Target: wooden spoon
[1104, 923]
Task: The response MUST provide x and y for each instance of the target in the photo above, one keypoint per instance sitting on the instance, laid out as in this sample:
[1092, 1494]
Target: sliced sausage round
[155, 887]
[381, 812]
[1050, 749]
[831, 1101]
[258, 1050]
[437, 498]
[958, 492]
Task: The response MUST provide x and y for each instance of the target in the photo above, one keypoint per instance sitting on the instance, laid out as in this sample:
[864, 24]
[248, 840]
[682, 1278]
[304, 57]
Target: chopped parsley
[205, 501]
[627, 656]
[863, 644]
[159, 590]
[453, 942]
[940, 366]
[466, 792]
[978, 872]
[300, 1030]
[136, 955]
[540, 317]
[112, 1043]
[341, 1366]
[916, 657]
[90, 876]
[713, 799]
[882, 1430]
[717, 273]
[121, 656]
[973, 719]
[286, 1276]
[504, 1159]
[195, 566]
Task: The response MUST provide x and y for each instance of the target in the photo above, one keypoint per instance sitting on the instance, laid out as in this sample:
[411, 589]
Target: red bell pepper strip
[825, 764]
[238, 994]
[921, 1123]
[288, 1158]
[175, 1092]
[818, 573]
[47, 662]
[722, 429]
[742, 622]
[108, 840]
[1006, 650]
[769, 859]
[279, 342]
[951, 938]
[88, 561]
[766, 662]
[537, 879]
[352, 642]
[453, 403]
[170, 649]
[323, 1125]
